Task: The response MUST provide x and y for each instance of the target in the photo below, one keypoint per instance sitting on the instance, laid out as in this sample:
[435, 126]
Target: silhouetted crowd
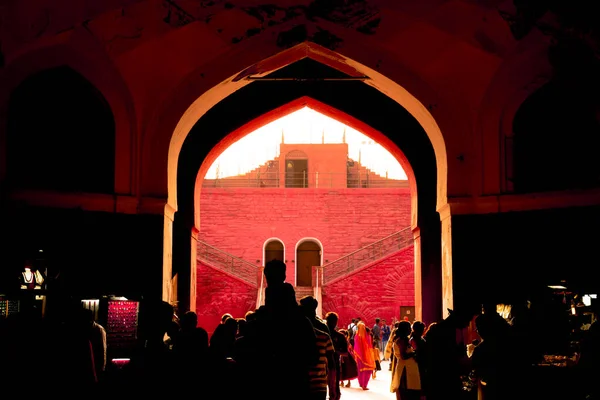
[282, 350]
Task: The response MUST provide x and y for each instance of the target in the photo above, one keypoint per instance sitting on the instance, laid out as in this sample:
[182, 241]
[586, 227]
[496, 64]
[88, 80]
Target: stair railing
[260, 297]
[367, 254]
[227, 262]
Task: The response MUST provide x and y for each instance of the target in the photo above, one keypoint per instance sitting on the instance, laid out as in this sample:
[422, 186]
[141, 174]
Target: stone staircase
[343, 266]
[302, 291]
[366, 255]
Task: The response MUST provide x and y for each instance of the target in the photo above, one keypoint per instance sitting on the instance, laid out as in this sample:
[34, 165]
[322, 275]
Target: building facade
[111, 112]
[310, 207]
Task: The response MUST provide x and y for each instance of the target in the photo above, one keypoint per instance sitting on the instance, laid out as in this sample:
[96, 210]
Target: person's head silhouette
[275, 272]
[309, 305]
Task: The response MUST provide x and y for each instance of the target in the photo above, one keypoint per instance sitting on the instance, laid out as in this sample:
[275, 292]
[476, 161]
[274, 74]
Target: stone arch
[69, 146]
[324, 109]
[296, 155]
[516, 79]
[380, 82]
[266, 244]
[95, 66]
[177, 234]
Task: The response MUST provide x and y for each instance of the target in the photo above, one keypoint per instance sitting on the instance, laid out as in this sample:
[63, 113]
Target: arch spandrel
[427, 82]
[220, 91]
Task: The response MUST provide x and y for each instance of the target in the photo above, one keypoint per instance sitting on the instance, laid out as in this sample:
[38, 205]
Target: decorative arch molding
[296, 155]
[266, 242]
[506, 132]
[309, 239]
[81, 52]
[517, 78]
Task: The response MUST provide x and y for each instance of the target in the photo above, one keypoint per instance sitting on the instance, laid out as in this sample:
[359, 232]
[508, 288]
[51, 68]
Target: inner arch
[324, 109]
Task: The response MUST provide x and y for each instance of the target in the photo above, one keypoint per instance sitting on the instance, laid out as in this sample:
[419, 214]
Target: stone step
[302, 291]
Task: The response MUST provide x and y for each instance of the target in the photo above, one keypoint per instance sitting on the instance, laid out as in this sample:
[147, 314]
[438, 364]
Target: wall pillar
[431, 269]
[168, 293]
[447, 277]
[317, 276]
[182, 268]
[418, 275]
[193, 268]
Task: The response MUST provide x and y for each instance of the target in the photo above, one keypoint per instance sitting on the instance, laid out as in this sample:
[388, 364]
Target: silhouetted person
[340, 344]
[319, 373]
[445, 355]
[151, 368]
[308, 305]
[222, 340]
[97, 337]
[493, 359]
[281, 343]
[190, 349]
[75, 360]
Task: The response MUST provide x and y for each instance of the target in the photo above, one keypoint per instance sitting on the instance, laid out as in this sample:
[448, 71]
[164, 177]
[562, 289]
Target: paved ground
[379, 388]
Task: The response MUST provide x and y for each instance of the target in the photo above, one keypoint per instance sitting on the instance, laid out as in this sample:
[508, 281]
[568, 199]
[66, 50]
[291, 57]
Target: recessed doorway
[273, 251]
[308, 255]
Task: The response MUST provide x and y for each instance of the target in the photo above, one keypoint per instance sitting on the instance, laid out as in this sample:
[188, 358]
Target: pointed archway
[376, 102]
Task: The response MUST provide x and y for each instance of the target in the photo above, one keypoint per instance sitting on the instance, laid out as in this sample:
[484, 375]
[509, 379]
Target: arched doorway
[296, 170]
[273, 250]
[308, 255]
[380, 107]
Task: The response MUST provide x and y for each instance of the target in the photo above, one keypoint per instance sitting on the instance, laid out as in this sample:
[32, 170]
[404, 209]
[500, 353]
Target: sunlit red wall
[218, 293]
[378, 290]
[240, 220]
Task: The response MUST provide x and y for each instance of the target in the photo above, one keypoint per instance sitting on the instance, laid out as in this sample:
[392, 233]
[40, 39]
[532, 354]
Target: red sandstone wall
[219, 293]
[240, 220]
[377, 290]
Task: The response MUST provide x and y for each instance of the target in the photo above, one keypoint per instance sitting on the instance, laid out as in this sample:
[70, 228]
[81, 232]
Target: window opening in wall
[296, 170]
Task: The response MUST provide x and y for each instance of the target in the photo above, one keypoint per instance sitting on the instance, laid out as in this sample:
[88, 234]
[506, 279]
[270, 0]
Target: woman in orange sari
[363, 349]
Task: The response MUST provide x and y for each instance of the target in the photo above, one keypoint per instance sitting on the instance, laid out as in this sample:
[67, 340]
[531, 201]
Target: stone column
[447, 282]
[194, 268]
[182, 268]
[318, 288]
[418, 275]
[431, 269]
[168, 294]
